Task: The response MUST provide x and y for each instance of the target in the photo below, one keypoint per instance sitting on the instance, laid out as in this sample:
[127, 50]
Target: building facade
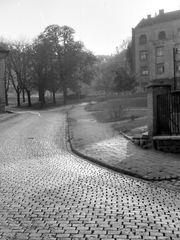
[156, 49]
[3, 54]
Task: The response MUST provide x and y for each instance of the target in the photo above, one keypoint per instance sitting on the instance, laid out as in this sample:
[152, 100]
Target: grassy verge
[129, 103]
[139, 125]
[129, 116]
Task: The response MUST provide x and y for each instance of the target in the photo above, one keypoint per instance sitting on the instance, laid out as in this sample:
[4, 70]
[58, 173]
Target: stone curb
[103, 164]
[126, 136]
[10, 115]
[108, 166]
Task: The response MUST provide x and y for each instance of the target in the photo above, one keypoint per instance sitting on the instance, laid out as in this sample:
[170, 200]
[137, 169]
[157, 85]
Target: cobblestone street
[46, 192]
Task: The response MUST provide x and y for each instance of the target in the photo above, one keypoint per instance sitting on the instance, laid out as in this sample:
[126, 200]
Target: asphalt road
[48, 193]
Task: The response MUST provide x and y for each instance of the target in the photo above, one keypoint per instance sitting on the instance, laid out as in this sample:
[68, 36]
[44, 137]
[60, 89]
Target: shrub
[115, 110]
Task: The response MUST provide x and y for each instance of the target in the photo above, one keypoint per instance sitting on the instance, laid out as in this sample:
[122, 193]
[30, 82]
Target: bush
[115, 110]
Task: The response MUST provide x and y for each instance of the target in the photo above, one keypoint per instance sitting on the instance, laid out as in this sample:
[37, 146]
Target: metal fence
[168, 114]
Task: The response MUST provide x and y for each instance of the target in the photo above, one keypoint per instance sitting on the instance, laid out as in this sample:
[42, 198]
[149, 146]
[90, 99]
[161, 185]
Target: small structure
[164, 118]
[3, 54]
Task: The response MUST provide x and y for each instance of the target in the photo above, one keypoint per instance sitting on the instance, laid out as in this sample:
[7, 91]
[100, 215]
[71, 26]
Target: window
[160, 68]
[162, 35]
[159, 51]
[143, 55]
[144, 71]
[178, 48]
[178, 66]
[179, 32]
[143, 39]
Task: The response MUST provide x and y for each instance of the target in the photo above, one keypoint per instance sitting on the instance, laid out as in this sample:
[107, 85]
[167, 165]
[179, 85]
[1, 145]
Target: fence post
[153, 91]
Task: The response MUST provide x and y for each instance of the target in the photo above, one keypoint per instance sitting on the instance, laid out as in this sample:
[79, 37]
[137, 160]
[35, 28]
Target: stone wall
[167, 143]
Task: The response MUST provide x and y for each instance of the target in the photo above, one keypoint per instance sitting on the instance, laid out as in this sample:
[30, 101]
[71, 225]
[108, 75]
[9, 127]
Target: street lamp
[174, 63]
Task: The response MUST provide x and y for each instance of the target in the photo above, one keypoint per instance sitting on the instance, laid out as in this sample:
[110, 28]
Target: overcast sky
[100, 24]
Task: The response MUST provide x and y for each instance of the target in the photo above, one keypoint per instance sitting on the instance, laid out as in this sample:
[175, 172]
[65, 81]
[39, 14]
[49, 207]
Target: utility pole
[174, 61]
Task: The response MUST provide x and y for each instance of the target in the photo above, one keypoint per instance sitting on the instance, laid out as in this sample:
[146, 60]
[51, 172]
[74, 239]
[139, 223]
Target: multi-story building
[156, 48]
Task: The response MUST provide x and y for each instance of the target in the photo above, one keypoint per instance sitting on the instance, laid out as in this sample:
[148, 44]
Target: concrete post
[153, 91]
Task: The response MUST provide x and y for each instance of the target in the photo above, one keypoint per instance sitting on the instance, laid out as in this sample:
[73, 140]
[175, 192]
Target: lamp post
[174, 64]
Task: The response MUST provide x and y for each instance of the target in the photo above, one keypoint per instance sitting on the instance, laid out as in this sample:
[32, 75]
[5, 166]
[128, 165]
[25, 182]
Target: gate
[168, 114]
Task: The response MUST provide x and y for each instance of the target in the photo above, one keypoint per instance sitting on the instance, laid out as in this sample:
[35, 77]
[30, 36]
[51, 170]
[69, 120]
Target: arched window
[162, 35]
[143, 39]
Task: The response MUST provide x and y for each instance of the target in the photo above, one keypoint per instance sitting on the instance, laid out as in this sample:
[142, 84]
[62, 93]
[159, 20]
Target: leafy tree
[16, 68]
[54, 61]
[62, 42]
[125, 80]
[40, 53]
[73, 61]
[106, 68]
[129, 54]
[105, 77]
[84, 68]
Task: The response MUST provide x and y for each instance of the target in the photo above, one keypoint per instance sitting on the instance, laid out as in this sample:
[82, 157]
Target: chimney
[161, 11]
[149, 16]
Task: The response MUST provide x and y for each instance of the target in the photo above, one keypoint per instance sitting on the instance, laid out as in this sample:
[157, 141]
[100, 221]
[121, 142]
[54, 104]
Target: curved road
[48, 193]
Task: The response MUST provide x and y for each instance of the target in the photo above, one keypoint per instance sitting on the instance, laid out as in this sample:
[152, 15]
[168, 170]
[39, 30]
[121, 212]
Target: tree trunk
[78, 95]
[54, 97]
[126, 101]
[65, 97]
[23, 95]
[6, 98]
[29, 97]
[42, 98]
[18, 99]
[39, 93]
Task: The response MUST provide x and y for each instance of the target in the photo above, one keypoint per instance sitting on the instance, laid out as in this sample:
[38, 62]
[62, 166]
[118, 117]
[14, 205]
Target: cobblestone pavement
[47, 193]
[108, 147]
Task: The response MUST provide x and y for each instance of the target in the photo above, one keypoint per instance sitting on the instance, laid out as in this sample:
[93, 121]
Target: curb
[11, 115]
[100, 163]
[107, 166]
[126, 136]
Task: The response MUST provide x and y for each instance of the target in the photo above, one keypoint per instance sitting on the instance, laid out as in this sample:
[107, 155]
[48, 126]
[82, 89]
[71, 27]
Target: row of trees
[53, 61]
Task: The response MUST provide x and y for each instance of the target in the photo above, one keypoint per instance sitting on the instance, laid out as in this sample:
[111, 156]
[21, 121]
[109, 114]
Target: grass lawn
[131, 114]
[130, 103]
[129, 127]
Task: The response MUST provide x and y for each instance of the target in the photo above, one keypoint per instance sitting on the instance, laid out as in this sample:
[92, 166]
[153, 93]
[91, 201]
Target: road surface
[46, 192]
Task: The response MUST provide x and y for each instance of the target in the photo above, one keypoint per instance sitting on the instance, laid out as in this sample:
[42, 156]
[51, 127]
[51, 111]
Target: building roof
[162, 17]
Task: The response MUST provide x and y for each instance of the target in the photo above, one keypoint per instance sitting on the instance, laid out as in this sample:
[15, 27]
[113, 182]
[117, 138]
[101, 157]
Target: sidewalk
[100, 143]
[7, 115]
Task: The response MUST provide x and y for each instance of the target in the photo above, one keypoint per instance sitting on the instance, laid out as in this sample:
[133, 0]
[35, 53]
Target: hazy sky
[100, 24]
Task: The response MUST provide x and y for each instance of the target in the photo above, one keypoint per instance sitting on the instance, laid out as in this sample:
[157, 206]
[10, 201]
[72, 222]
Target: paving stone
[47, 192]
